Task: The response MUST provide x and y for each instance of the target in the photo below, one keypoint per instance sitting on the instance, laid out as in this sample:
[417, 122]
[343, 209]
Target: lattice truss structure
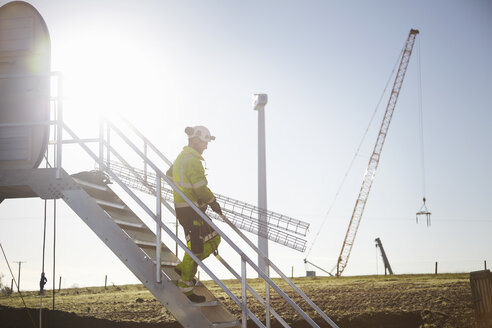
[279, 228]
[376, 154]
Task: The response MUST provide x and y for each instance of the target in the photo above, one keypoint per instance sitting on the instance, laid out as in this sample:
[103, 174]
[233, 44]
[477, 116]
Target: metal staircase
[94, 184]
[135, 244]
[126, 235]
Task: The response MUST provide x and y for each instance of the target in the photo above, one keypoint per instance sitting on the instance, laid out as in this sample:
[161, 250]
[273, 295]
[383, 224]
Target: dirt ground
[352, 302]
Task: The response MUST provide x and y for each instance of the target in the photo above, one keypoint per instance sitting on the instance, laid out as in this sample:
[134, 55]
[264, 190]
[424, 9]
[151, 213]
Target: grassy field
[442, 300]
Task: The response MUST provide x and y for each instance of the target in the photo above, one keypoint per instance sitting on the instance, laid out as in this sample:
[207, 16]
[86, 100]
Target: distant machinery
[387, 266]
[25, 66]
[360, 204]
[373, 164]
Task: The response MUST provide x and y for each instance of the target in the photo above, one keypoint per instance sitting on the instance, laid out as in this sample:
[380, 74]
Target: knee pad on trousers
[196, 240]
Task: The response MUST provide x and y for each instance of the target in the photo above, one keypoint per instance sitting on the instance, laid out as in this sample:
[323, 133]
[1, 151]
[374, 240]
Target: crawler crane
[387, 266]
[376, 154]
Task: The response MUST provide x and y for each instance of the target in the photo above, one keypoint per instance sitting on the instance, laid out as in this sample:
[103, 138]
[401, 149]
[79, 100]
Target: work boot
[187, 288]
[196, 298]
[178, 271]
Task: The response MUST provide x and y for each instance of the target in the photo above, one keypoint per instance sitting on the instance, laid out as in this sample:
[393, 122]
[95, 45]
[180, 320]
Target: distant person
[42, 282]
[188, 175]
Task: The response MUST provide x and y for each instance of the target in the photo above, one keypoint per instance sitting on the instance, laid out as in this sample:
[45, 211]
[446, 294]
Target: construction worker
[42, 282]
[188, 175]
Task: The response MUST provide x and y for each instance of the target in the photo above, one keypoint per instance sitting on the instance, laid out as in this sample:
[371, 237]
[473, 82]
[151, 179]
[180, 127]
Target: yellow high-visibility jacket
[188, 175]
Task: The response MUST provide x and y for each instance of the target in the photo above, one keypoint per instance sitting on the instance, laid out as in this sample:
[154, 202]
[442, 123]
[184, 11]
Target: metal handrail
[251, 290]
[244, 258]
[239, 219]
[221, 260]
[284, 222]
[60, 126]
[223, 236]
[163, 226]
[232, 244]
[147, 142]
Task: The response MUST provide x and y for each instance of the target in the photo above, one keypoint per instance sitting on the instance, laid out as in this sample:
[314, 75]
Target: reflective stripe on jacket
[188, 174]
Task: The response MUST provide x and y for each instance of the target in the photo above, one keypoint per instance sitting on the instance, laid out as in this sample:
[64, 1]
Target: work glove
[169, 173]
[216, 207]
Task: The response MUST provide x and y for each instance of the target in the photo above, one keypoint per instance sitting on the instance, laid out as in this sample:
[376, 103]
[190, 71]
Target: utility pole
[259, 102]
[18, 277]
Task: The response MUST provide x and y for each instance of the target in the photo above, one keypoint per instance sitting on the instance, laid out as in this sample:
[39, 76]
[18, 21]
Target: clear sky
[166, 65]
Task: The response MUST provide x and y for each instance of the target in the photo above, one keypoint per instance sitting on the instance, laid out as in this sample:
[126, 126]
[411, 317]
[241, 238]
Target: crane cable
[421, 121]
[423, 209]
[55, 112]
[42, 281]
[43, 277]
[356, 153]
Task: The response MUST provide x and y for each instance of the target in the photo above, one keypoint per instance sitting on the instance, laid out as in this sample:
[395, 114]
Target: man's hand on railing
[216, 207]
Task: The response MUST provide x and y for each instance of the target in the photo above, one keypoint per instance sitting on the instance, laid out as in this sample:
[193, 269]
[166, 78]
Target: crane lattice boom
[376, 154]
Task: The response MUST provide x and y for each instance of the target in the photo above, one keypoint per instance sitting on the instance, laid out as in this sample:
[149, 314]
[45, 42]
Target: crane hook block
[424, 211]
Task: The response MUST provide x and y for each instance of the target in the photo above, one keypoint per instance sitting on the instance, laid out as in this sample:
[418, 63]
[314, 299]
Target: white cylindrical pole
[259, 102]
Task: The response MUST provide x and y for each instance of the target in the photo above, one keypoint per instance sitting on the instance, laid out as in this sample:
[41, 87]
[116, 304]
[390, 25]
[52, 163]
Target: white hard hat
[199, 131]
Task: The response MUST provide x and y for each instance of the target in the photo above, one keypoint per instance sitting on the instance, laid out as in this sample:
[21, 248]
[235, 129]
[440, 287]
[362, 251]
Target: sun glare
[106, 74]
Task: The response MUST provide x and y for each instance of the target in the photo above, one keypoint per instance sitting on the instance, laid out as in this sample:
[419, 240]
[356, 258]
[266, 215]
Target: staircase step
[91, 185]
[144, 244]
[130, 225]
[125, 215]
[165, 251]
[235, 323]
[167, 263]
[105, 203]
[209, 303]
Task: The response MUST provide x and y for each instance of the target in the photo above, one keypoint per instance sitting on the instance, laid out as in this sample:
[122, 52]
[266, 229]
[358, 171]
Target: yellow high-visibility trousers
[188, 267]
